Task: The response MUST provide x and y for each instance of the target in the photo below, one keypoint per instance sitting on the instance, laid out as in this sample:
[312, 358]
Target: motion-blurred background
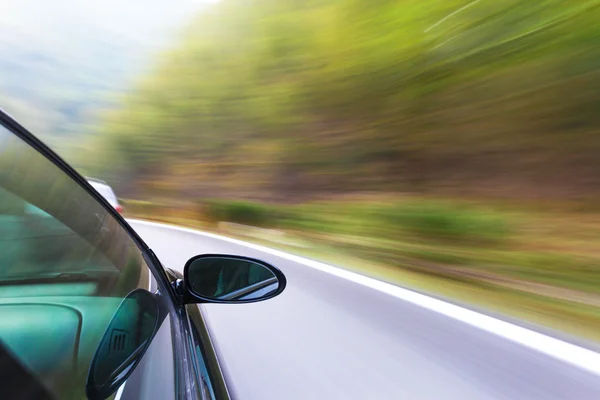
[447, 145]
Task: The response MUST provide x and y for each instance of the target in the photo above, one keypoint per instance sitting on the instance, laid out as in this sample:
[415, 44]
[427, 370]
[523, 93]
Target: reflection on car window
[35, 245]
[65, 265]
[105, 191]
[33, 210]
[206, 386]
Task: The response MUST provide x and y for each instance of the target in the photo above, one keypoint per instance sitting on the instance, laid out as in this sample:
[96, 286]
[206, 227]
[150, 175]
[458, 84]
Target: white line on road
[567, 352]
[120, 391]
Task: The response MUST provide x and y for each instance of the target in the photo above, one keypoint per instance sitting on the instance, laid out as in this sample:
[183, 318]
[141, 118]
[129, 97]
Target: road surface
[327, 337]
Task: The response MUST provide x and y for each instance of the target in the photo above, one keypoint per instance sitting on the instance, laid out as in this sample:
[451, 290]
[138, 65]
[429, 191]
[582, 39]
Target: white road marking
[120, 391]
[567, 352]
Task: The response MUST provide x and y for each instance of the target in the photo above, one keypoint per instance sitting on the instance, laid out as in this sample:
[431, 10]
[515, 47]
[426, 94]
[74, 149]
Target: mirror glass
[231, 279]
[123, 344]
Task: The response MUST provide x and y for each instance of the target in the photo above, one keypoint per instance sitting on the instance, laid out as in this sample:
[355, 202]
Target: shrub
[428, 219]
[443, 220]
[303, 218]
[241, 212]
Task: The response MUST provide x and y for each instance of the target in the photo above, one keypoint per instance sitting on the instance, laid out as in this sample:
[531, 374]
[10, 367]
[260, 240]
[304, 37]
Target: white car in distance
[106, 192]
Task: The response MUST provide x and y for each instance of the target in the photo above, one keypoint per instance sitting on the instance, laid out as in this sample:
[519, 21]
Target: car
[87, 310]
[106, 192]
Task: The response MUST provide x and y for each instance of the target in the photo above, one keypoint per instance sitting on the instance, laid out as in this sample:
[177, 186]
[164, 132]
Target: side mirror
[125, 341]
[214, 278]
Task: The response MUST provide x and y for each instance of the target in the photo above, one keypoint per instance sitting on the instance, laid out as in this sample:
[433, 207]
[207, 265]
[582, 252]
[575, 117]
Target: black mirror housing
[230, 279]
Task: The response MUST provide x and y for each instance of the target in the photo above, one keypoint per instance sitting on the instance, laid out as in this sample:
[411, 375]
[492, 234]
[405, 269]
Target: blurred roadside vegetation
[282, 100]
[540, 264]
[453, 142]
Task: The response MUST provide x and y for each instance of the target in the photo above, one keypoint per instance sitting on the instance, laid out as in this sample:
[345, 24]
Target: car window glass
[65, 265]
[204, 377]
[105, 191]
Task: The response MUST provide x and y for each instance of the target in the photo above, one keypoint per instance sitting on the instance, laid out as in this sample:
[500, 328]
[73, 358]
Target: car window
[65, 265]
[106, 192]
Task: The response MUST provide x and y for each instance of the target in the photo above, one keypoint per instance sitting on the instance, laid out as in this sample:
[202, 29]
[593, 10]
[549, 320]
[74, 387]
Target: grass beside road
[539, 264]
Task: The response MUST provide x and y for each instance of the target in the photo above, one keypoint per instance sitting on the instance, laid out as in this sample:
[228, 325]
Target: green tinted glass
[126, 339]
[65, 266]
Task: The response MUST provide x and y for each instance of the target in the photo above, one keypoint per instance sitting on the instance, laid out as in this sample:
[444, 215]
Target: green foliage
[443, 220]
[241, 212]
[307, 218]
[427, 219]
[284, 99]
[560, 269]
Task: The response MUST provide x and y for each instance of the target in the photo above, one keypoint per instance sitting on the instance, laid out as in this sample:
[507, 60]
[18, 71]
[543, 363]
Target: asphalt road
[327, 337]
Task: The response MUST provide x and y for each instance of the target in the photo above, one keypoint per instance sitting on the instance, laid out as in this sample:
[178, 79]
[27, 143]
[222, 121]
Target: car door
[67, 262]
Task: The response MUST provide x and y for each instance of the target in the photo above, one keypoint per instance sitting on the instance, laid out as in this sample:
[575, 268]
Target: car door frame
[183, 340]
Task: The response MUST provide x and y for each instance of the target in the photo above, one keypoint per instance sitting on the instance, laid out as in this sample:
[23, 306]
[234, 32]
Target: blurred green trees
[287, 100]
